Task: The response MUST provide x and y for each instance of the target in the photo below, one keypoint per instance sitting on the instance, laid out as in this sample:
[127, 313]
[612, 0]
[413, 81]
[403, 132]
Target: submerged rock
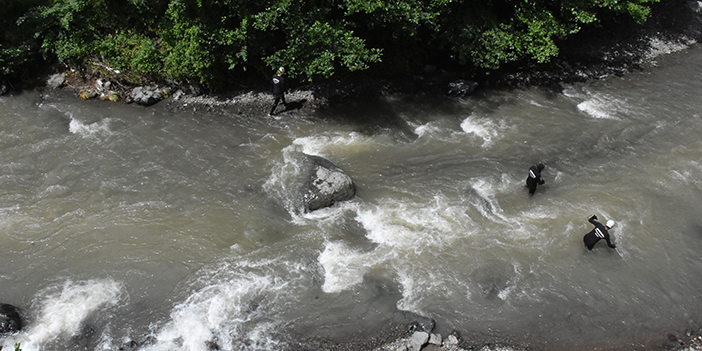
[10, 320]
[326, 185]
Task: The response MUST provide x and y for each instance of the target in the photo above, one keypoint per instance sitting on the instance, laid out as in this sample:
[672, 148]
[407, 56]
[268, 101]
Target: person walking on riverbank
[278, 87]
[534, 177]
[600, 232]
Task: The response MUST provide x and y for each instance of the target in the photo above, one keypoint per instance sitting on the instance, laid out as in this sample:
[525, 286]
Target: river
[119, 222]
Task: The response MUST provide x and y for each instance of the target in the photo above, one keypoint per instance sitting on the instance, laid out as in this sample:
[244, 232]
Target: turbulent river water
[119, 222]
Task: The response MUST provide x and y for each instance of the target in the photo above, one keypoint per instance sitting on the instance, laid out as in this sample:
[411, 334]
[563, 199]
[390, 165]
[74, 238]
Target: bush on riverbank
[214, 42]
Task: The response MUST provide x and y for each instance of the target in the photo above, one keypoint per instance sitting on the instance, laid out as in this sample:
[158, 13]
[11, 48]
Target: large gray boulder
[56, 81]
[10, 320]
[147, 96]
[325, 185]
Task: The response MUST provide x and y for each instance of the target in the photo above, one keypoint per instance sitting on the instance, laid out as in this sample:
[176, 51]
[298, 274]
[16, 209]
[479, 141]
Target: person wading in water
[600, 232]
[278, 85]
[534, 177]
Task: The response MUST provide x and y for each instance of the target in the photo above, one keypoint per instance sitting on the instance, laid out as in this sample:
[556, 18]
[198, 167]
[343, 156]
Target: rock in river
[10, 320]
[325, 185]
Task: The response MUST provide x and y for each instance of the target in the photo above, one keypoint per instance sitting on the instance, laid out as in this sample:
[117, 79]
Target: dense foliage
[211, 42]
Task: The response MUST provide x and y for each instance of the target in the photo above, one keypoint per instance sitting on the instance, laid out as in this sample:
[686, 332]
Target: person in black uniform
[278, 86]
[534, 177]
[600, 232]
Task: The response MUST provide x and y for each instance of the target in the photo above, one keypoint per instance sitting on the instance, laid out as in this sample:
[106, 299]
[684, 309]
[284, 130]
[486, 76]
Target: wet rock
[212, 346]
[87, 94]
[147, 96]
[130, 345]
[452, 339]
[462, 87]
[435, 339]
[10, 320]
[695, 6]
[56, 81]
[178, 94]
[110, 96]
[422, 324]
[418, 340]
[326, 185]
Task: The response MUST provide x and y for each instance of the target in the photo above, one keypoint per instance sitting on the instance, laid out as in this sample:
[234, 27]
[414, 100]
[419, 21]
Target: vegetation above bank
[213, 43]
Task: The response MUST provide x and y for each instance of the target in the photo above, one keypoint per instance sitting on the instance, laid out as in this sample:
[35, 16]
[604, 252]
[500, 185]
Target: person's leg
[275, 104]
[532, 189]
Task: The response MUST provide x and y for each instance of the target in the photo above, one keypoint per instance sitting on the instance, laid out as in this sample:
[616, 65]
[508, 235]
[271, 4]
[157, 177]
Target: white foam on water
[412, 233]
[401, 230]
[91, 129]
[411, 225]
[63, 311]
[597, 108]
[412, 290]
[323, 144]
[606, 106]
[570, 92]
[483, 128]
[55, 190]
[283, 175]
[344, 267]
[486, 204]
[601, 105]
[429, 129]
[234, 310]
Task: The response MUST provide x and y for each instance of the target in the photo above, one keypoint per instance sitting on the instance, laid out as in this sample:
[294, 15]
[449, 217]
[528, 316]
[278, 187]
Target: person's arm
[609, 242]
[593, 219]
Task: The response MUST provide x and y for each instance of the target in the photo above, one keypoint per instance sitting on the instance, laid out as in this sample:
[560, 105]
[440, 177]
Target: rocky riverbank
[595, 53]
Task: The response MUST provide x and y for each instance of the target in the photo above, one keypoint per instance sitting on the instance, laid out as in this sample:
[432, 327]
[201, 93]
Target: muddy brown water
[119, 222]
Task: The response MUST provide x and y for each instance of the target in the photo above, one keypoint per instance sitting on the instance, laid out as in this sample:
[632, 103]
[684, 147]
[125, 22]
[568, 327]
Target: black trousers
[275, 102]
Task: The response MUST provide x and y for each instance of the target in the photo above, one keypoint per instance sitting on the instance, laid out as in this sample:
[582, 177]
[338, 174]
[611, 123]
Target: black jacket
[278, 82]
[534, 178]
[600, 232]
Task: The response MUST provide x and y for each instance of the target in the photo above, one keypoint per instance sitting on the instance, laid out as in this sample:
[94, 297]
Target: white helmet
[281, 70]
[610, 223]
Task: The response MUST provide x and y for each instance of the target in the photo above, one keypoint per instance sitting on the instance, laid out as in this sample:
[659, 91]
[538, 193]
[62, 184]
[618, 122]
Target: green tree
[498, 32]
[19, 49]
[212, 42]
